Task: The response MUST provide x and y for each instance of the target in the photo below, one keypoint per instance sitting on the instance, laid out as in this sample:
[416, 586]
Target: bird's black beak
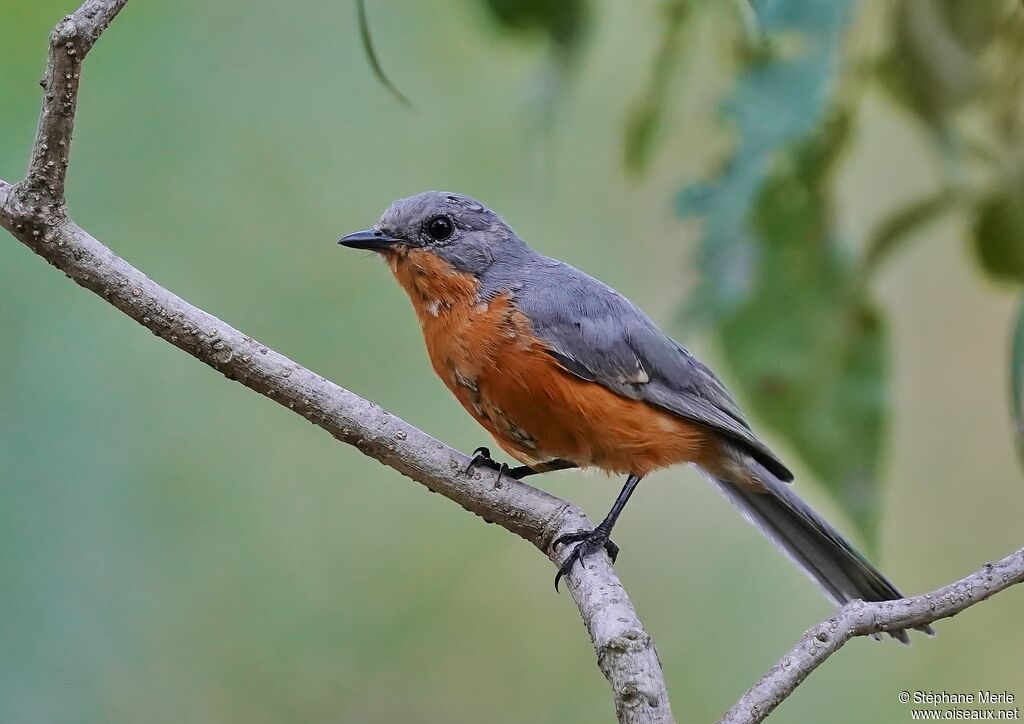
[372, 239]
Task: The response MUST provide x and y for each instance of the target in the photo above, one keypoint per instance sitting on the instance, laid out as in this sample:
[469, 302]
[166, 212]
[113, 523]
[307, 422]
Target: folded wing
[597, 334]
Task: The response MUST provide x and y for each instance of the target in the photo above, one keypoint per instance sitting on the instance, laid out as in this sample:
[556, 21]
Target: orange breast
[487, 355]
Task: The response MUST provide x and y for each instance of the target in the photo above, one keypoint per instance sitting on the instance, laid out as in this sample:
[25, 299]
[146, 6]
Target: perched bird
[565, 372]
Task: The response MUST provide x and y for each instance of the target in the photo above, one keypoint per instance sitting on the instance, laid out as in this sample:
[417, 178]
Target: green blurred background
[175, 548]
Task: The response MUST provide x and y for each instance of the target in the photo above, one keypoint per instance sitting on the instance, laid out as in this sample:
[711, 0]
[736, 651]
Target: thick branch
[858, 618]
[33, 211]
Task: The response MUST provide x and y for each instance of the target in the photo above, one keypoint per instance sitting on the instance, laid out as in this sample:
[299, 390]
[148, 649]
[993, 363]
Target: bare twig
[34, 212]
[858, 618]
[70, 42]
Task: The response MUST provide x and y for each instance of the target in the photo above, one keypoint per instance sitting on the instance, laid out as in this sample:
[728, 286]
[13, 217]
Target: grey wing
[599, 335]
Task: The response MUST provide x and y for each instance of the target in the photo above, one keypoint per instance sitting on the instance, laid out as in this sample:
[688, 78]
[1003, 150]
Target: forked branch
[858, 618]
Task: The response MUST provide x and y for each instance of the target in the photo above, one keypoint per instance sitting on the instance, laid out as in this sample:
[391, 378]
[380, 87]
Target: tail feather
[812, 543]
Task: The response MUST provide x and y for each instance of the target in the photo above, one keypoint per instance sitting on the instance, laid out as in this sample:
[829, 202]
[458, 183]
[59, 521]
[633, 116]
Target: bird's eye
[440, 228]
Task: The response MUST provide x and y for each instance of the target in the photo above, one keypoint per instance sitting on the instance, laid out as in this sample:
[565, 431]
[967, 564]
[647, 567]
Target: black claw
[482, 458]
[558, 577]
[611, 549]
[587, 542]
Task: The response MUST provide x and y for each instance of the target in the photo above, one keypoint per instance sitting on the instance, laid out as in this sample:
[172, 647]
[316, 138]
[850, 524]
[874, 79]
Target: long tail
[812, 543]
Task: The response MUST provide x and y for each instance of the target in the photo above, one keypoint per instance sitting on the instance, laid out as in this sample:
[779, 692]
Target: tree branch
[858, 618]
[34, 212]
[70, 42]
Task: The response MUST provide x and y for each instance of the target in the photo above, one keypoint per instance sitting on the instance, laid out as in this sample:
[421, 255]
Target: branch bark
[34, 211]
[858, 618]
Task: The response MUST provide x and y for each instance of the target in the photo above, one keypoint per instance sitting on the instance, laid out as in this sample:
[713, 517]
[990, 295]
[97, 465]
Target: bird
[565, 372]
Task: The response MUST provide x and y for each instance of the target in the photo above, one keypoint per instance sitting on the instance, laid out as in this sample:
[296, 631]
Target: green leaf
[932, 65]
[564, 21]
[999, 235]
[1017, 380]
[645, 117]
[927, 69]
[808, 350]
[779, 98]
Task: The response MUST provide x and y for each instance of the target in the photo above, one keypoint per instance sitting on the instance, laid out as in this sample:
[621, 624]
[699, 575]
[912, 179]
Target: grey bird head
[457, 228]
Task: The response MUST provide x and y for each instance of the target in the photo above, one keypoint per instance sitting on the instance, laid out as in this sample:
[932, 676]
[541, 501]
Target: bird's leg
[549, 466]
[590, 541]
[482, 458]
